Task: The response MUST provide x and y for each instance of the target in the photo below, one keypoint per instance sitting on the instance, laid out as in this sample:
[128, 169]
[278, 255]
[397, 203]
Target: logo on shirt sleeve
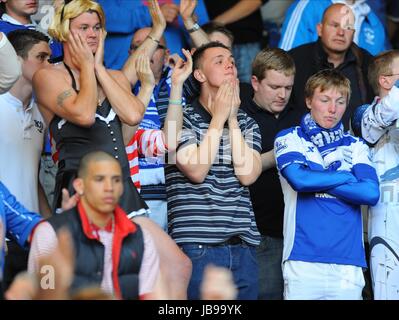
[280, 145]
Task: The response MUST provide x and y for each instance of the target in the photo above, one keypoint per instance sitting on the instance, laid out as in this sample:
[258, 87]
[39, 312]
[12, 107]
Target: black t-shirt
[266, 193]
[246, 30]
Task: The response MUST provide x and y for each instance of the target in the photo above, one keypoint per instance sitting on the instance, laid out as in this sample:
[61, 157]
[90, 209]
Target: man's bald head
[92, 157]
[347, 20]
[336, 30]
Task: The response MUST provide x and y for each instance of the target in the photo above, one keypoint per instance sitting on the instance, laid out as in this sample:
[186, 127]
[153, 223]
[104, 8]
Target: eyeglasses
[390, 75]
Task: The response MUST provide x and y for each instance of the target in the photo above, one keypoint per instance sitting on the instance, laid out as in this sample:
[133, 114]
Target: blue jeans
[239, 259]
[244, 54]
[270, 254]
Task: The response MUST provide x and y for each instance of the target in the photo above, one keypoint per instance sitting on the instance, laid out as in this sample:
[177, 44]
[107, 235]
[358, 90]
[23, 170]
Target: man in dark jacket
[111, 251]
[333, 50]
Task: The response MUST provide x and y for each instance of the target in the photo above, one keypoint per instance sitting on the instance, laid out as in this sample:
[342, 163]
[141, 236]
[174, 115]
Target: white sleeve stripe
[16, 212]
[292, 26]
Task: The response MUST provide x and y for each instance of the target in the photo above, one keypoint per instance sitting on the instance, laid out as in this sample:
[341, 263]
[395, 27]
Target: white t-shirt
[21, 143]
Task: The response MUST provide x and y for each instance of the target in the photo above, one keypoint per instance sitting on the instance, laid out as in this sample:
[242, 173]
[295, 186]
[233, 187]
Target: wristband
[175, 102]
[194, 28]
[153, 39]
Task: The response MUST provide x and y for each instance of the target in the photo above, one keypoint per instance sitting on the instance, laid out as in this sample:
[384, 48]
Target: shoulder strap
[72, 77]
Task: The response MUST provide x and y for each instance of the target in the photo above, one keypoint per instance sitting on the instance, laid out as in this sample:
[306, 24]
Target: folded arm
[304, 179]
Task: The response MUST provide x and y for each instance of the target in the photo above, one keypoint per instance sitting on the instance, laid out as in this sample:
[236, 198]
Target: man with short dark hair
[218, 156]
[111, 251]
[23, 133]
[22, 136]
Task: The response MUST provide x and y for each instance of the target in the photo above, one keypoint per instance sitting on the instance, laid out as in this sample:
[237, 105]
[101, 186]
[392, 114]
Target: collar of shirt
[107, 228]
[123, 225]
[200, 109]
[6, 17]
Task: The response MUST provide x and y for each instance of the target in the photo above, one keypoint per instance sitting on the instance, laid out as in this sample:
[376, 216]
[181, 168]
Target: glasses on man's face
[135, 47]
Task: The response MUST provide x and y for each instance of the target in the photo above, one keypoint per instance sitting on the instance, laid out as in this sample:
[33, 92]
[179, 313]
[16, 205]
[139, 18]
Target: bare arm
[240, 10]
[246, 161]
[117, 90]
[187, 7]
[175, 266]
[146, 77]
[195, 161]
[44, 207]
[149, 45]
[268, 160]
[147, 82]
[56, 95]
[174, 116]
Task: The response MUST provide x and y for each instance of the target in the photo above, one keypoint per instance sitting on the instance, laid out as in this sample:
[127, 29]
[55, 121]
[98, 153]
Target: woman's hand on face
[81, 53]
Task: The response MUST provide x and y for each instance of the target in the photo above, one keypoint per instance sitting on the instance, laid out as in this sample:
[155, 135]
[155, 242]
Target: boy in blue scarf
[325, 175]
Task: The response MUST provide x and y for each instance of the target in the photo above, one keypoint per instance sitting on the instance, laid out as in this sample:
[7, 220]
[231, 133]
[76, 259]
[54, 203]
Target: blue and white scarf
[326, 140]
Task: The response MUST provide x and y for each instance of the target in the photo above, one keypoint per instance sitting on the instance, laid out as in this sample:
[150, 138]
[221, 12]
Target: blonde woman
[83, 103]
